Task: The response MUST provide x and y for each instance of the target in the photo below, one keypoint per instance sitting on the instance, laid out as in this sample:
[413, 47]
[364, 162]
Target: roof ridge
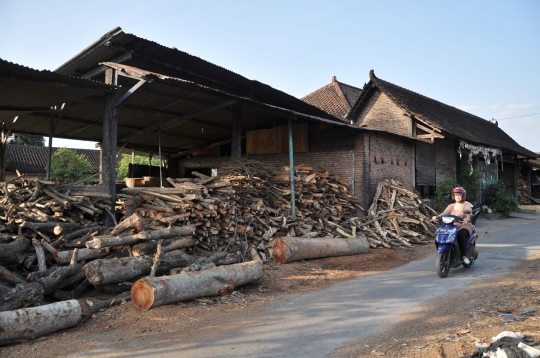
[376, 79]
[340, 92]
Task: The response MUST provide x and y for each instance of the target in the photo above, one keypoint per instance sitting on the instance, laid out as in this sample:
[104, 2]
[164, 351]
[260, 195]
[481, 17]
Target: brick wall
[387, 157]
[381, 113]
[339, 163]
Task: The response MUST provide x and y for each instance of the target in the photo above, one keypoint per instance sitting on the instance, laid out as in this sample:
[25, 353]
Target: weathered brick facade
[380, 112]
[374, 157]
[387, 157]
[339, 163]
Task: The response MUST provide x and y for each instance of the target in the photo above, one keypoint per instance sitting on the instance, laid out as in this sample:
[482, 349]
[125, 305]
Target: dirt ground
[125, 324]
[449, 326]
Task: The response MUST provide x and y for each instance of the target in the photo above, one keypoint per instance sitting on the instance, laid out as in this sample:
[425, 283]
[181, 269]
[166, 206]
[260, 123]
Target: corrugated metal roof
[154, 57]
[164, 101]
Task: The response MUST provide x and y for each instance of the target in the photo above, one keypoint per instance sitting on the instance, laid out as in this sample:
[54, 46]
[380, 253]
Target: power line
[527, 115]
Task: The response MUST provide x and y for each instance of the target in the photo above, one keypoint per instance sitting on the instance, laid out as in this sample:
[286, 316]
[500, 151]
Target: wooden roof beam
[179, 120]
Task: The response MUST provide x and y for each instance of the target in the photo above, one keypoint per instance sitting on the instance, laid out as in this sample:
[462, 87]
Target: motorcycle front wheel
[443, 263]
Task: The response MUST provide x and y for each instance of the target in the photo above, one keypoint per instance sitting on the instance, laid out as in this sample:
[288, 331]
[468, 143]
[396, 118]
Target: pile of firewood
[523, 198]
[397, 217]
[54, 246]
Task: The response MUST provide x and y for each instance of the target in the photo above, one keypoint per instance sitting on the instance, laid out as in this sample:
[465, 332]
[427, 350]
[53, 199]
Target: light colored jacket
[457, 209]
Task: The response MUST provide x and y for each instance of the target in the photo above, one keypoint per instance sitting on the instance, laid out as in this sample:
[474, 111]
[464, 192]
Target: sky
[480, 56]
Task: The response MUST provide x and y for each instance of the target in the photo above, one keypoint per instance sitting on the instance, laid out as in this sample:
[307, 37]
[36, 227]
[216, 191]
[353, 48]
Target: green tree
[68, 166]
[123, 168]
[29, 140]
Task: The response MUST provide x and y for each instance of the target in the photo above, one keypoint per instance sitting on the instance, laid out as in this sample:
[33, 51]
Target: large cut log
[64, 257]
[108, 241]
[106, 271]
[31, 323]
[149, 293]
[9, 252]
[288, 249]
[22, 296]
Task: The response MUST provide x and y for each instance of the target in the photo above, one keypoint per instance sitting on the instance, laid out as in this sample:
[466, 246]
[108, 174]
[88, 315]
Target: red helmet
[459, 190]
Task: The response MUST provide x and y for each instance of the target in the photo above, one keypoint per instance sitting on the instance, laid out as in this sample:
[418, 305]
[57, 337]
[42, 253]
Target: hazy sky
[480, 56]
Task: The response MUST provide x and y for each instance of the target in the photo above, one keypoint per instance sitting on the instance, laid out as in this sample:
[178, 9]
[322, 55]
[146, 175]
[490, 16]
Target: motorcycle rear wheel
[443, 263]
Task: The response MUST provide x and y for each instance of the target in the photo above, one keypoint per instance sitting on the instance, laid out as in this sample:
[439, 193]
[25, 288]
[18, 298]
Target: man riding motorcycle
[465, 229]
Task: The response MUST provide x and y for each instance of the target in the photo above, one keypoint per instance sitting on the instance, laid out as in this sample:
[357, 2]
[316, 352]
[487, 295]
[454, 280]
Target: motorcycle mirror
[467, 211]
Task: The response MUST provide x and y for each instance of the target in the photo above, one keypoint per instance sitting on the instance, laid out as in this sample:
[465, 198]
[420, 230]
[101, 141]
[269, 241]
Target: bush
[499, 200]
[443, 194]
[68, 166]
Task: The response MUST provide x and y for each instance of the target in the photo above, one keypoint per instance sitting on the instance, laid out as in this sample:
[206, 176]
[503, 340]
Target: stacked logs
[43, 225]
[397, 217]
[523, 197]
[53, 245]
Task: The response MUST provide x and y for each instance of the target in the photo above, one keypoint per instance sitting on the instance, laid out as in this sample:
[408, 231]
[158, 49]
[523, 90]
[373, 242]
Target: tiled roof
[30, 159]
[451, 120]
[336, 98]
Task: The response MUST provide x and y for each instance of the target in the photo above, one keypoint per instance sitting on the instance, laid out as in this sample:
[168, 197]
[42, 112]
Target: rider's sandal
[466, 260]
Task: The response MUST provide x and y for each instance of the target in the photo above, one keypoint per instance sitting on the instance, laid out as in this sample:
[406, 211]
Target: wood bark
[53, 281]
[27, 295]
[50, 226]
[288, 249]
[107, 271]
[30, 323]
[133, 204]
[4, 289]
[11, 277]
[123, 297]
[64, 257]
[40, 255]
[9, 252]
[75, 293]
[133, 222]
[107, 241]
[149, 293]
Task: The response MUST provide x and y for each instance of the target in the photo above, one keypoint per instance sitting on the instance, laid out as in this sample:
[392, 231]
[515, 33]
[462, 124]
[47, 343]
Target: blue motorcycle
[448, 253]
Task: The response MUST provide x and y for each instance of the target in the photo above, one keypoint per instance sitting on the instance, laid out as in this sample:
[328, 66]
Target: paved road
[314, 325]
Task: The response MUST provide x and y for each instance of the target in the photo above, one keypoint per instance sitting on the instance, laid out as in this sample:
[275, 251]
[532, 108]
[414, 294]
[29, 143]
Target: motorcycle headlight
[447, 219]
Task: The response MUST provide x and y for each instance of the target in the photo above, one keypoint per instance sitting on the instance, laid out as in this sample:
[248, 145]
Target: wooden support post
[516, 176]
[109, 143]
[529, 180]
[236, 139]
[160, 161]
[49, 153]
[291, 169]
